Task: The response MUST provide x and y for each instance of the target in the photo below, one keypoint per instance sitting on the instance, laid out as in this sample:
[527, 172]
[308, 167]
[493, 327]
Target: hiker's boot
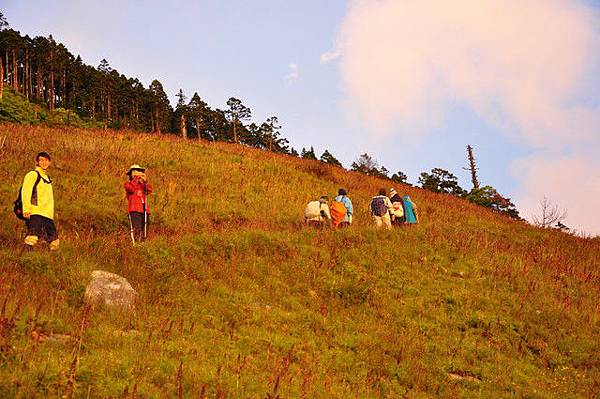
[54, 245]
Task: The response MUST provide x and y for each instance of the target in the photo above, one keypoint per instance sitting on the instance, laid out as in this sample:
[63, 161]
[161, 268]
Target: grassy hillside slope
[237, 299]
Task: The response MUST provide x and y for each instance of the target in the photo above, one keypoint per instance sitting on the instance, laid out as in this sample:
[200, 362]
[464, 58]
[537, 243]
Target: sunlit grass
[237, 299]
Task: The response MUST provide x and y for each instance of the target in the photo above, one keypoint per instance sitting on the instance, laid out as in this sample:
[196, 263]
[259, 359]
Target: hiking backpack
[18, 204]
[338, 213]
[314, 209]
[378, 206]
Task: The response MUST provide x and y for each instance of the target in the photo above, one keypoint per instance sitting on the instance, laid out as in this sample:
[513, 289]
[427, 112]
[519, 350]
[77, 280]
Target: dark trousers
[137, 224]
[318, 224]
[398, 221]
[41, 227]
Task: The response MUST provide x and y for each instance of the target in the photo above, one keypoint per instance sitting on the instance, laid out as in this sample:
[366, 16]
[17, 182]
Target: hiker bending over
[412, 216]
[380, 207]
[317, 212]
[38, 204]
[398, 210]
[137, 190]
[341, 210]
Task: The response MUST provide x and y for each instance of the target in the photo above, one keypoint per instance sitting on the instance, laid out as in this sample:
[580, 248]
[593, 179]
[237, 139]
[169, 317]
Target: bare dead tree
[472, 167]
[550, 215]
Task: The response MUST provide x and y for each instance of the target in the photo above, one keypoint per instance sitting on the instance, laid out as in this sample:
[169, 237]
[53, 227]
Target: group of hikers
[35, 205]
[385, 211]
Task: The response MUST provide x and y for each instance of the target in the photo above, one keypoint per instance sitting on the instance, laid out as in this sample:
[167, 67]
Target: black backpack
[18, 204]
[378, 206]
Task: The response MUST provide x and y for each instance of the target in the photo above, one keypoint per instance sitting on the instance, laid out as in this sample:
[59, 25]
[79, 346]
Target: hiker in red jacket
[137, 190]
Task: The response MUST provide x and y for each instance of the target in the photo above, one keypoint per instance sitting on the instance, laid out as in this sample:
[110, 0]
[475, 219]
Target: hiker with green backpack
[35, 205]
[380, 207]
[341, 210]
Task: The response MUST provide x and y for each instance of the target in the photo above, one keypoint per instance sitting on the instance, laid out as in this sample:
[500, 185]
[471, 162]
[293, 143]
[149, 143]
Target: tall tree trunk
[40, 84]
[51, 90]
[197, 120]
[234, 131]
[7, 66]
[108, 114]
[72, 99]
[157, 120]
[1, 79]
[15, 72]
[63, 92]
[29, 77]
[26, 77]
[183, 126]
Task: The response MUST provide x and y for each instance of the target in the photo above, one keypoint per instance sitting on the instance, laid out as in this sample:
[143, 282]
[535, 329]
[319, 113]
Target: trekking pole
[145, 209]
[131, 228]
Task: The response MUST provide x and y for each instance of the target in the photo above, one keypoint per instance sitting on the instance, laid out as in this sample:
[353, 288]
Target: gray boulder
[111, 290]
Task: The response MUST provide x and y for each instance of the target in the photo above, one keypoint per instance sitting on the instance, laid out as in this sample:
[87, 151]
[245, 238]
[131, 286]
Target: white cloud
[292, 74]
[330, 55]
[518, 65]
[572, 183]
[403, 59]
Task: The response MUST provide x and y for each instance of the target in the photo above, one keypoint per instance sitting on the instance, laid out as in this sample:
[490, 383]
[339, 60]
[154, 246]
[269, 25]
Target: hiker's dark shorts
[41, 227]
[137, 221]
[318, 224]
[398, 221]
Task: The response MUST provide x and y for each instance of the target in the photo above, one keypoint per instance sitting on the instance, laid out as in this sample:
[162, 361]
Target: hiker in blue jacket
[343, 198]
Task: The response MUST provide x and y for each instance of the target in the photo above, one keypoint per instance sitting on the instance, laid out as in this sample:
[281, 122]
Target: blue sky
[268, 54]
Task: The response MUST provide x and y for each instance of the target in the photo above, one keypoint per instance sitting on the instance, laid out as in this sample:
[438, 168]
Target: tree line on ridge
[46, 74]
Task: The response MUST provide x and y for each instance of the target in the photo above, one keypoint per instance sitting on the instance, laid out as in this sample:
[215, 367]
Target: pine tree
[367, 165]
[199, 113]
[106, 89]
[273, 126]
[308, 154]
[441, 181]
[400, 177]
[160, 108]
[3, 24]
[236, 114]
[488, 197]
[3, 21]
[181, 113]
[327, 157]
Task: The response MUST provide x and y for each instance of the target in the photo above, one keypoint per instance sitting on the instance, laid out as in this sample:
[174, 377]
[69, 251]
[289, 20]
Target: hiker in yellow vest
[38, 204]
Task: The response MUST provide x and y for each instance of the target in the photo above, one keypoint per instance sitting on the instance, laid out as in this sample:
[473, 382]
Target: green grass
[237, 299]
